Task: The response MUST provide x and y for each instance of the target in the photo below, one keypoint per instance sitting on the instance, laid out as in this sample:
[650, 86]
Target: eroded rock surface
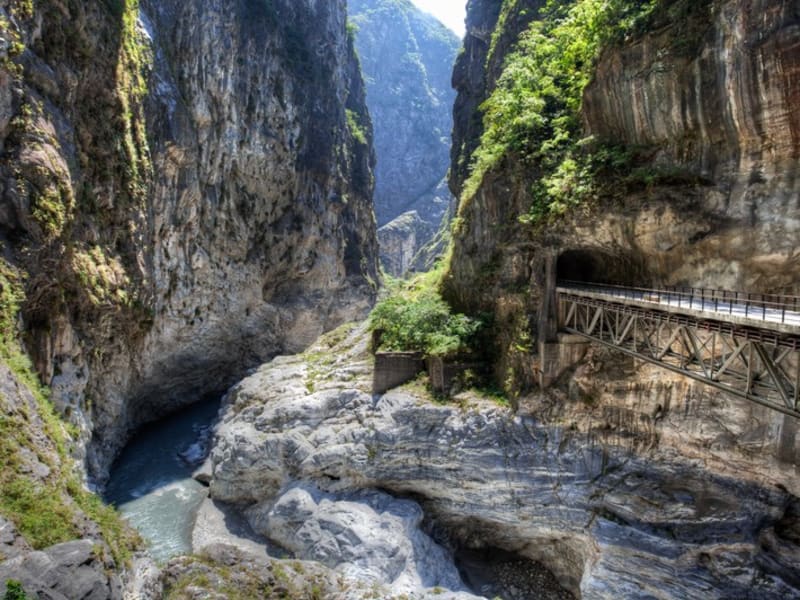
[609, 520]
[49, 541]
[366, 535]
[221, 572]
[64, 572]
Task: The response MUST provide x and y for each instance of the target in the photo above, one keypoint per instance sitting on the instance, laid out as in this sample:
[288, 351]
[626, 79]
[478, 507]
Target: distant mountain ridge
[407, 58]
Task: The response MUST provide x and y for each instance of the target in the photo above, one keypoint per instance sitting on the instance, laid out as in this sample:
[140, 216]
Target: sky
[449, 12]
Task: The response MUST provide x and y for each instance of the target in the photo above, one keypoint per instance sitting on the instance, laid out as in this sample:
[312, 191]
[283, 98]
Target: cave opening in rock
[534, 567]
[598, 266]
[497, 573]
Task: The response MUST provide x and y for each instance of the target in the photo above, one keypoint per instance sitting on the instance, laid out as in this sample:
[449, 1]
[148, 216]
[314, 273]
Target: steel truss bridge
[744, 344]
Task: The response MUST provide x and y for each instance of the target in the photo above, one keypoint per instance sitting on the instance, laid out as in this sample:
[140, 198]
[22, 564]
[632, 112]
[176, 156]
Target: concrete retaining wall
[395, 368]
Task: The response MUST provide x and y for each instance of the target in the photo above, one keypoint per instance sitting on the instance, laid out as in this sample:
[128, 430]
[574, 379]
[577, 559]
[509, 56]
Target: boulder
[68, 571]
[366, 535]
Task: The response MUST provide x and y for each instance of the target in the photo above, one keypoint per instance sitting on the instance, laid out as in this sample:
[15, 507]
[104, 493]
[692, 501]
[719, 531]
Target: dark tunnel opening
[597, 266]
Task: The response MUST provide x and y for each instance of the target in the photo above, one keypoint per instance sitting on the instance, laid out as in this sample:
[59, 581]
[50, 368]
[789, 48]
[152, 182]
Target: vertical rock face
[492, 29]
[400, 241]
[203, 198]
[469, 80]
[710, 96]
[719, 98]
[407, 57]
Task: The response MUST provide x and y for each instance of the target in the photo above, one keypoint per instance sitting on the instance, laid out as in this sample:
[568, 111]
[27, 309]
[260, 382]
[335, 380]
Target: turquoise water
[151, 481]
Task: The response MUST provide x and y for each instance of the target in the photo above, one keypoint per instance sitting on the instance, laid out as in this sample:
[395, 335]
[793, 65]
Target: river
[151, 482]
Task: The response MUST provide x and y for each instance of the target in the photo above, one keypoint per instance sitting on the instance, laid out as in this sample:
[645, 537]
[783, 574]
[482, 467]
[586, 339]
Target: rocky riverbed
[386, 489]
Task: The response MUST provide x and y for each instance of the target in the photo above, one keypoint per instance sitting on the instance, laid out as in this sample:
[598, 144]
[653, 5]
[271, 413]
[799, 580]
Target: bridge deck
[747, 346]
[780, 314]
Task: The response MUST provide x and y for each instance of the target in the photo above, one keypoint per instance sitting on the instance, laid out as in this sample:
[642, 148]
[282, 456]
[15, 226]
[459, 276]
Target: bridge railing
[778, 308]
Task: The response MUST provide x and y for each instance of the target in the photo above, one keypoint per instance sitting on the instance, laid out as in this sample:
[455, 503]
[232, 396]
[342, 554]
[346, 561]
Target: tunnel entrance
[598, 266]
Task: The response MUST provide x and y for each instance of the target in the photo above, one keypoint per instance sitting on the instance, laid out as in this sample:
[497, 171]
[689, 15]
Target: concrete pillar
[787, 442]
[555, 358]
[548, 310]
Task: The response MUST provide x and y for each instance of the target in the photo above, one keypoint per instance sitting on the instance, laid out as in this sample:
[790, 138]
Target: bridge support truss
[760, 365]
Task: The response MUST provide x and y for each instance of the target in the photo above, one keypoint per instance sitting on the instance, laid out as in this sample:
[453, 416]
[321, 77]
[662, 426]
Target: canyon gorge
[194, 213]
[407, 59]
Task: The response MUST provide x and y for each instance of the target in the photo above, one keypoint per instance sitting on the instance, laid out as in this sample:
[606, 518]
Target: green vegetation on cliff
[95, 180]
[134, 62]
[39, 493]
[533, 114]
[14, 591]
[357, 131]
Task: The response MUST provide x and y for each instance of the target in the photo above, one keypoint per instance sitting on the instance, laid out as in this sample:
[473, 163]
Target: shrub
[14, 591]
[424, 324]
[534, 112]
[415, 317]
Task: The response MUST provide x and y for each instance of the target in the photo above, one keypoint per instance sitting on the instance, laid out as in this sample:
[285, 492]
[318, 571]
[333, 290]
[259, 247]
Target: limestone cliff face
[407, 57]
[189, 186]
[53, 539]
[718, 98]
[716, 106]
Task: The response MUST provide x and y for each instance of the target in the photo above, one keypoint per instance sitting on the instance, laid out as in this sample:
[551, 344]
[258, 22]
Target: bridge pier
[557, 357]
[548, 309]
[558, 352]
[788, 444]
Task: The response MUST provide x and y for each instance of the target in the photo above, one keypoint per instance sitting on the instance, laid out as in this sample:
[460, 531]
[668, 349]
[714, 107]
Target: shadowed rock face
[216, 201]
[263, 227]
[610, 510]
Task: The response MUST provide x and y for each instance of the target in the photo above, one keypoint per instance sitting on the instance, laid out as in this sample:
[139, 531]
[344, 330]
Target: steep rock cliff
[188, 186]
[407, 57]
[707, 99]
[711, 97]
[493, 28]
